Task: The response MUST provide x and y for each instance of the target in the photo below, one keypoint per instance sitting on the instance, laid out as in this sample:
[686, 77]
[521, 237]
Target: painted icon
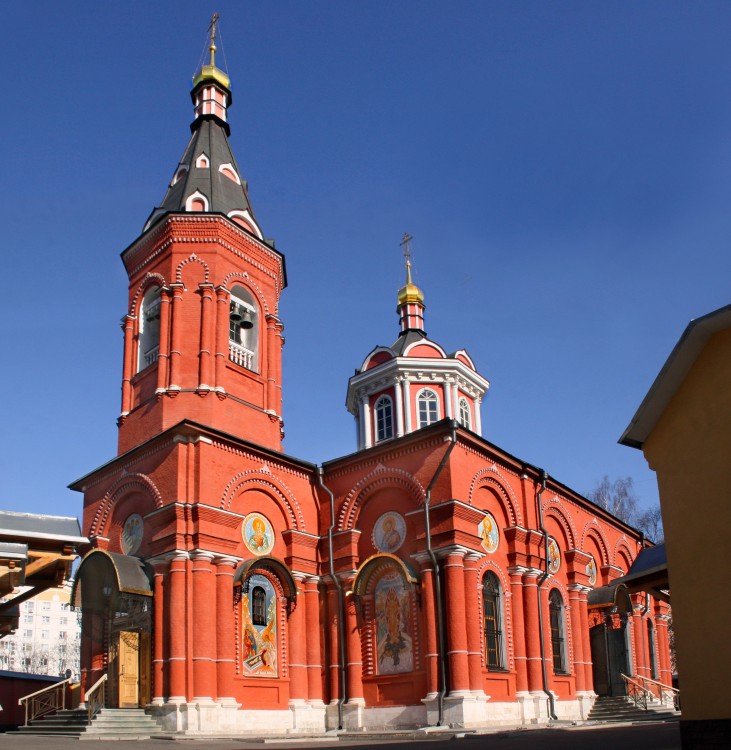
[591, 571]
[554, 556]
[393, 624]
[258, 534]
[132, 532]
[488, 531]
[259, 626]
[389, 532]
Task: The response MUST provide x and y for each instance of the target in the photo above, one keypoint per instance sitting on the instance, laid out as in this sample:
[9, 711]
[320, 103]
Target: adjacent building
[683, 427]
[47, 639]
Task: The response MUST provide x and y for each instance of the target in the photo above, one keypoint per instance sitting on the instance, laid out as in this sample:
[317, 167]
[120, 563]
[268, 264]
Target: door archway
[113, 594]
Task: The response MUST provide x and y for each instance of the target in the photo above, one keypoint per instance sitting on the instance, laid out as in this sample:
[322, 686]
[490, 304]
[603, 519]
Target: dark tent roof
[224, 195]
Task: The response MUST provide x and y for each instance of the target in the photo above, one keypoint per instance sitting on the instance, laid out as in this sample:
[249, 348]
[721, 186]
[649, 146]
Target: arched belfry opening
[243, 335]
[113, 593]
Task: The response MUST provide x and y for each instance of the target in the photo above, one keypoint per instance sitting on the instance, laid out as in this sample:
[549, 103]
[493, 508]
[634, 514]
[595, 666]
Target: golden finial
[212, 29]
[210, 71]
[410, 292]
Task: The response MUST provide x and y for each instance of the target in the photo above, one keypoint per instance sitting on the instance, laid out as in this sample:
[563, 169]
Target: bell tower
[202, 335]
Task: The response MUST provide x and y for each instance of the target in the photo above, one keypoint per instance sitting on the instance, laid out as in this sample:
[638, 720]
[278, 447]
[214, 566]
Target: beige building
[684, 429]
[47, 638]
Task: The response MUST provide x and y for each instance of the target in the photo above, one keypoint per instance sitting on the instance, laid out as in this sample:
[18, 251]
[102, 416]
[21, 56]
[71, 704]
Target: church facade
[428, 578]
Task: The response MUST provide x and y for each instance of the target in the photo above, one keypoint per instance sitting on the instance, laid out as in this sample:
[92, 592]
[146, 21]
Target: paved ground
[660, 736]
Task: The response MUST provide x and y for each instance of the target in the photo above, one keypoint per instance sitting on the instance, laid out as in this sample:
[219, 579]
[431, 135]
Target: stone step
[109, 723]
[608, 709]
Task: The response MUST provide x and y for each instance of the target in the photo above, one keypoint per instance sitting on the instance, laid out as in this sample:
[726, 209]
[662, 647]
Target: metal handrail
[44, 701]
[96, 697]
[664, 689]
[636, 692]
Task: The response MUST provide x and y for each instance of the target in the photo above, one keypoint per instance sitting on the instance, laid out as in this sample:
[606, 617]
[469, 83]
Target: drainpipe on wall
[541, 581]
[341, 606]
[437, 584]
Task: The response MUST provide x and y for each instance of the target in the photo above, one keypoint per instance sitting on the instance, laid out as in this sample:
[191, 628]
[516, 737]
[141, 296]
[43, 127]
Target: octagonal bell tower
[202, 335]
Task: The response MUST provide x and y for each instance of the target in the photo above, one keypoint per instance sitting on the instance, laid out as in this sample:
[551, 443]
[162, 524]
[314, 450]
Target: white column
[449, 399]
[365, 411]
[399, 406]
[478, 416]
[407, 404]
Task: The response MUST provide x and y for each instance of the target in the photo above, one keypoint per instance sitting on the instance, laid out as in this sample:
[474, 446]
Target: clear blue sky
[564, 167]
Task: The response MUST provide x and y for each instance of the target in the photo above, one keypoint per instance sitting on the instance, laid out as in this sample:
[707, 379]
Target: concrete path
[646, 736]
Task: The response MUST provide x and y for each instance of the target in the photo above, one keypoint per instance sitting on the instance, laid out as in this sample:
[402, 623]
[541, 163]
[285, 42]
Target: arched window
[258, 606]
[492, 612]
[384, 418]
[149, 329]
[243, 332]
[428, 405]
[558, 632]
[651, 649]
[465, 416]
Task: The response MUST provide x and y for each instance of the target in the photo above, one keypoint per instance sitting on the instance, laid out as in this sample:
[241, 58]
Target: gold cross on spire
[406, 244]
[212, 29]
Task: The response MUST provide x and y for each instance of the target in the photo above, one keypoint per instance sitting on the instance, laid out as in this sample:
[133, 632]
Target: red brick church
[427, 578]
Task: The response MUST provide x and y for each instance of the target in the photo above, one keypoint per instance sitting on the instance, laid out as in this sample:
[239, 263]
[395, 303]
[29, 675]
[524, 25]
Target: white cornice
[417, 370]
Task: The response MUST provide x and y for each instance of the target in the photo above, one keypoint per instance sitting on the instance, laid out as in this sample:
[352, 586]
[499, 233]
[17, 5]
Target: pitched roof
[673, 373]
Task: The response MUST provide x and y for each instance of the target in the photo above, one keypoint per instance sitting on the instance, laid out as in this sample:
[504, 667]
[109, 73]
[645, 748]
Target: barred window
[492, 611]
[558, 631]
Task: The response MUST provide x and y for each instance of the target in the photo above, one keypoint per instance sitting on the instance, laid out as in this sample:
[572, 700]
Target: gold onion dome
[410, 293]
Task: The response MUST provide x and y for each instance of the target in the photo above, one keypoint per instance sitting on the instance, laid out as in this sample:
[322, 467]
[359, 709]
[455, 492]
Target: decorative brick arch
[149, 280]
[378, 479]
[622, 546]
[259, 479]
[192, 259]
[122, 487]
[250, 284]
[490, 478]
[553, 508]
[486, 565]
[594, 530]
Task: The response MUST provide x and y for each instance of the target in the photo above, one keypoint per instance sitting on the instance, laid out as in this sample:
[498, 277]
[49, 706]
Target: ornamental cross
[406, 244]
[212, 29]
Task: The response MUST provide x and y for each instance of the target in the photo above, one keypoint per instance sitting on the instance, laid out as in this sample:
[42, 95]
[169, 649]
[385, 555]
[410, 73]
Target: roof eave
[677, 366]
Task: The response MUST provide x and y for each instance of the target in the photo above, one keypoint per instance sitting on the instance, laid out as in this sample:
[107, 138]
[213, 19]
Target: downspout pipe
[441, 649]
[541, 580]
[341, 605]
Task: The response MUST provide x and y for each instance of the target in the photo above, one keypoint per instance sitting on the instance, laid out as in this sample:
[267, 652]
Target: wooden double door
[131, 672]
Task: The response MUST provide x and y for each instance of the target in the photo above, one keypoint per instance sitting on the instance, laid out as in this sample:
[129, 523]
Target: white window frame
[383, 406]
[465, 413]
[421, 396]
